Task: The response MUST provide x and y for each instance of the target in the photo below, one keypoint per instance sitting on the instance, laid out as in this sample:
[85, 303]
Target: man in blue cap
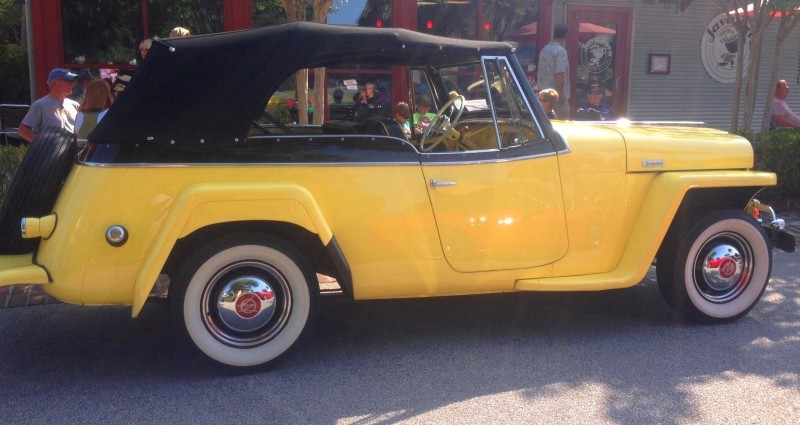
[55, 109]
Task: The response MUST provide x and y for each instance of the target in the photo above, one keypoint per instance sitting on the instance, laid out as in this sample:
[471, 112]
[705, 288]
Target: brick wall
[23, 296]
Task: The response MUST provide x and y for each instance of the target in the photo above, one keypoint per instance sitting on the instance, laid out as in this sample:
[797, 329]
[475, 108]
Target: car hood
[663, 148]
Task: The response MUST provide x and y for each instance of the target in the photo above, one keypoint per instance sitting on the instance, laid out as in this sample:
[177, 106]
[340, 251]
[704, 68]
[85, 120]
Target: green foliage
[278, 111]
[11, 22]
[198, 16]
[268, 12]
[97, 31]
[506, 16]
[778, 151]
[14, 83]
[10, 158]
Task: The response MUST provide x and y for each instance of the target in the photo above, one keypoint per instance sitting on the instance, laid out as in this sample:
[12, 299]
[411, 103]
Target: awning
[527, 33]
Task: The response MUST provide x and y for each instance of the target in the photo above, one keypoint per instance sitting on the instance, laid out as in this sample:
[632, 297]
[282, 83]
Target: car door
[496, 193]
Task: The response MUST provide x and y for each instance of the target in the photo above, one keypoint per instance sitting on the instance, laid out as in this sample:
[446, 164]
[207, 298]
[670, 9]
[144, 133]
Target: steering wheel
[443, 125]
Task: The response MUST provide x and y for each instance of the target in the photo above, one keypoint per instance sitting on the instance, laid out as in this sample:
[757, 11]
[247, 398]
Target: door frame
[623, 17]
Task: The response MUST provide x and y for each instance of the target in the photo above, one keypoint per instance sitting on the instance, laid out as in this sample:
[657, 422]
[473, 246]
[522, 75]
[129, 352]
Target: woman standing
[96, 102]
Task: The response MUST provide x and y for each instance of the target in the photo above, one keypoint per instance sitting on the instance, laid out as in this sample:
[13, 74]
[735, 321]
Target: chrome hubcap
[246, 304]
[723, 267]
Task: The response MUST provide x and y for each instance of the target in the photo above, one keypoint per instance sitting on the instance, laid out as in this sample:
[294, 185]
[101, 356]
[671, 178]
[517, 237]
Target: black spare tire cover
[35, 186]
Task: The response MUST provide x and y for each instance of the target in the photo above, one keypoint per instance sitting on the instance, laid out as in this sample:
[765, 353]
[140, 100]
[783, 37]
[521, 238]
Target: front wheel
[245, 301]
[717, 271]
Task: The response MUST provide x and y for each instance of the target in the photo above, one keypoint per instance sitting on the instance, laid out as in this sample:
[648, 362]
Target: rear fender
[203, 205]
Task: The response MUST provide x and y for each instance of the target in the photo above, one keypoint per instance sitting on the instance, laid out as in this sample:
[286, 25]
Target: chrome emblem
[248, 306]
[652, 163]
[727, 268]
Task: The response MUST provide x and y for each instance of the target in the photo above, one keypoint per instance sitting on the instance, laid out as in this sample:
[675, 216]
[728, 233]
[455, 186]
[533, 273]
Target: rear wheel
[245, 300]
[717, 271]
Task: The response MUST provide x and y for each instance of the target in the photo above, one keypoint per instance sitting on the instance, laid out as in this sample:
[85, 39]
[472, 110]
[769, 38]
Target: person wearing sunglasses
[594, 109]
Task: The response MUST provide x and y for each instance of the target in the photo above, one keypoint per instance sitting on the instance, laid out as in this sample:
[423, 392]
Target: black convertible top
[208, 89]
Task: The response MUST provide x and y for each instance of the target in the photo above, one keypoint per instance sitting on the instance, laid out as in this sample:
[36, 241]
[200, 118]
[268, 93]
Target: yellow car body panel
[594, 185]
[652, 221]
[481, 218]
[378, 206]
[687, 148]
[20, 269]
[595, 225]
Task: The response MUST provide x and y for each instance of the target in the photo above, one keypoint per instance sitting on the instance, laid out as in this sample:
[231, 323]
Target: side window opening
[515, 123]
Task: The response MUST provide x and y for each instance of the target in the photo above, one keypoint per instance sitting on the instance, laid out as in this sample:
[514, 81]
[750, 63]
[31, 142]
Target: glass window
[109, 31]
[514, 118]
[515, 22]
[198, 16]
[364, 13]
[365, 94]
[463, 120]
[268, 12]
[497, 20]
[101, 31]
[453, 18]
[491, 96]
[284, 104]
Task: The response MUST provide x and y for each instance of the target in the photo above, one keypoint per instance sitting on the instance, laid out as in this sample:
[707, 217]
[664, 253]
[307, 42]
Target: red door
[599, 49]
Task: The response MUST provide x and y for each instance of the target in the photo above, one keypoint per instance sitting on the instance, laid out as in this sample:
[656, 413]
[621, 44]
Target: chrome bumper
[774, 226]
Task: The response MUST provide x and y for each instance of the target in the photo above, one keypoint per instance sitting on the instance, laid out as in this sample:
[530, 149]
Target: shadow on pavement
[404, 360]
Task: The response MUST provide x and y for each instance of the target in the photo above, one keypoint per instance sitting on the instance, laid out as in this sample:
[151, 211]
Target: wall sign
[597, 54]
[719, 49]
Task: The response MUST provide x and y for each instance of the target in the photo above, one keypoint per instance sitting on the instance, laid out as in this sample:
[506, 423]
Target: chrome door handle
[435, 184]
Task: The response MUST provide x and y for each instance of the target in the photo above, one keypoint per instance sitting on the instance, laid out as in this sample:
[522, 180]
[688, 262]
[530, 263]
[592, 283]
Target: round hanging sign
[719, 49]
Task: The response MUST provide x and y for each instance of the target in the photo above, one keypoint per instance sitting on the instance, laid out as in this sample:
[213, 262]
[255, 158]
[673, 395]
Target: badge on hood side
[653, 163]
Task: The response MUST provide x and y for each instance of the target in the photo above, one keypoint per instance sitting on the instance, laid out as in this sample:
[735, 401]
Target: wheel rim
[246, 304]
[723, 268]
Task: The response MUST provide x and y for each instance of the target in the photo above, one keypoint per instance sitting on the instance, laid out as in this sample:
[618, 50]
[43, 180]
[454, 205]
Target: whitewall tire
[244, 302]
[718, 270]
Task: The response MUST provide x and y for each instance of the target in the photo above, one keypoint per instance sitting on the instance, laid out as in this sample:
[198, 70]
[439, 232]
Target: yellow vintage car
[188, 179]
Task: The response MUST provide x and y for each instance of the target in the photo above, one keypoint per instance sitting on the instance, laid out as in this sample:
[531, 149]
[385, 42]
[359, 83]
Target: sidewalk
[792, 223]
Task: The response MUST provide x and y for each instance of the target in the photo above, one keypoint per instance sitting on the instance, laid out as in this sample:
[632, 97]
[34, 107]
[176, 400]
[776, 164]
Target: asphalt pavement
[613, 357]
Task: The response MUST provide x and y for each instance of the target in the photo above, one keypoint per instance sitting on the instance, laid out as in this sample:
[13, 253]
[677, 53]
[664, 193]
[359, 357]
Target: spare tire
[35, 186]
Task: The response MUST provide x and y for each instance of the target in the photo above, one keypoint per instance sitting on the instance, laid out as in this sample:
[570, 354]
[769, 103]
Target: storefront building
[654, 59]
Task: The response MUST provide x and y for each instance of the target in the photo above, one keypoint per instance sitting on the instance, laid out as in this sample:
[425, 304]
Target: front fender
[659, 206]
[203, 205]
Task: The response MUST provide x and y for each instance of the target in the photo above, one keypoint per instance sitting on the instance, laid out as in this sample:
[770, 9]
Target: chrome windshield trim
[519, 90]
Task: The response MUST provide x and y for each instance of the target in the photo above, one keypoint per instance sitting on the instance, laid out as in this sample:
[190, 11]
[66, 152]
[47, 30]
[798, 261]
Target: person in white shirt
[553, 70]
[782, 114]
